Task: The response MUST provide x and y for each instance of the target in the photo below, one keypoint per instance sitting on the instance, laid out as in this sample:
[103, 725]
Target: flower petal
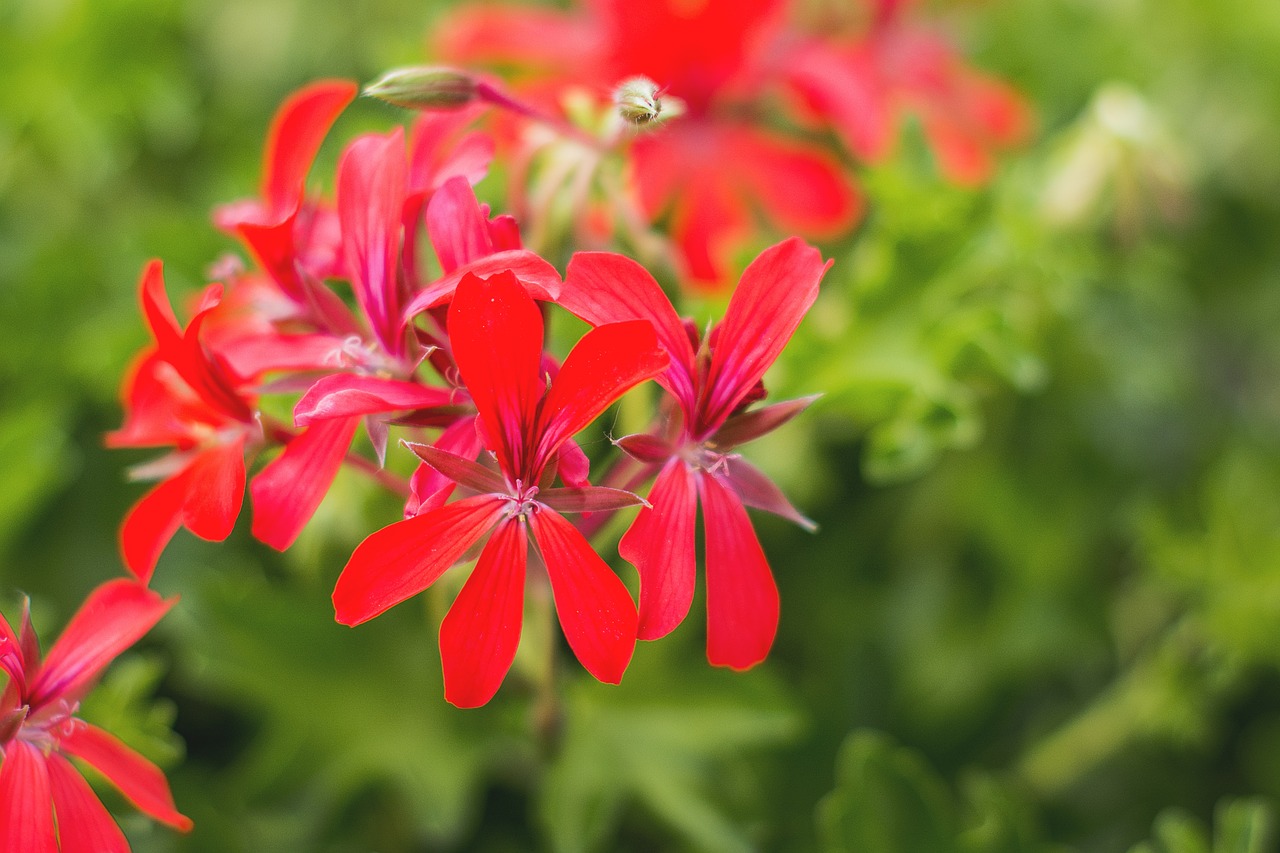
[772, 298]
[428, 488]
[150, 525]
[114, 617]
[757, 490]
[137, 778]
[660, 544]
[298, 129]
[465, 472]
[84, 824]
[542, 38]
[458, 227]
[344, 395]
[215, 490]
[537, 275]
[603, 287]
[742, 597]
[604, 365]
[480, 634]
[405, 558]
[26, 801]
[287, 492]
[496, 331]
[752, 424]
[798, 186]
[595, 609]
[588, 499]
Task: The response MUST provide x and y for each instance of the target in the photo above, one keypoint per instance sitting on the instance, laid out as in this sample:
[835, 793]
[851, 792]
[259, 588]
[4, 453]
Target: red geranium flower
[713, 381]
[45, 804]
[496, 332]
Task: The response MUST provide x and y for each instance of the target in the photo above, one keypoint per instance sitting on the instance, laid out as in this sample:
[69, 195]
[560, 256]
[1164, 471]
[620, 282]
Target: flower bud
[640, 102]
[425, 88]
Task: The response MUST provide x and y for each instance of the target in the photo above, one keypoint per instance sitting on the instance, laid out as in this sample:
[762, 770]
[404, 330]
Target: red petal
[846, 90]
[480, 634]
[772, 298]
[84, 825]
[159, 313]
[287, 492]
[573, 466]
[604, 365]
[114, 617]
[433, 160]
[458, 228]
[742, 598]
[345, 395]
[514, 34]
[595, 609]
[660, 544]
[405, 558]
[26, 801]
[538, 277]
[496, 330]
[215, 490]
[253, 355]
[299, 127]
[963, 157]
[602, 287]
[646, 448]
[371, 195]
[135, 777]
[150, 525]
[798, 186]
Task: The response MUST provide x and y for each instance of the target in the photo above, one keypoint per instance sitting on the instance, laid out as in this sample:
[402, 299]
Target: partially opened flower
[713, 382]
[496, 330]
[46, 806]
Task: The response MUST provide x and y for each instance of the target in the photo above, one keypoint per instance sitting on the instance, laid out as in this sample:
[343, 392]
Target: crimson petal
[480, 634]
[405, 558]
[84, 825]
[595, 609]
[135, 777]
[742, 597]
[287, 492]
[660, 544]
[150, 525]
[26, 804]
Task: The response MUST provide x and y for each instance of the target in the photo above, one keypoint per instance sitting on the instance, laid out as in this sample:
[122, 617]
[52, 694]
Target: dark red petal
[299, 127]
[750, 425]
[26, 801]
[465, 472]
[287, 492]
[480, 634]
[660, 544]
[215, 490]
[458, 228]
[772, 298]
[84, 825]
[538, 277]
[757, 490]
[114, 617]
[742, 598]
[371, 194]
[602, 288]
[496, 330]
[135, 777]
[646, 448]
[405, 558]
[588, 499]
[345, 395]
[604, 365]
[595, 609]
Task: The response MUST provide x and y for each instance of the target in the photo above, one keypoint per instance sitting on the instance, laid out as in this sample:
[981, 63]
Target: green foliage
[1241, 826]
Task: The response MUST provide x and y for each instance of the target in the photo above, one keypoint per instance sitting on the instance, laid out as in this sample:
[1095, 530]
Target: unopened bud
[425, 88]
[640, 102]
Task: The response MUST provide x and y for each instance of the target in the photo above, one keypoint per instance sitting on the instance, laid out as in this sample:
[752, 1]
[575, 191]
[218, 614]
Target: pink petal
[772, 298]
[434, 159]
[26, 801]
[134, 776]
[588, 499]
[287, 492]
[608, 361]
[371, 195]
[742, 598]
[299, 127]
[405, 558]
[602, 287]
[215, 490]
[465, 472]
[458, 228]
[345, 395]
[114, 617]
[538, 277]
[84, 825]
[496, 331]
[595, 609]
[660, 544]
[750, 425]
[572, 465]
[480, 634]
[757, 490]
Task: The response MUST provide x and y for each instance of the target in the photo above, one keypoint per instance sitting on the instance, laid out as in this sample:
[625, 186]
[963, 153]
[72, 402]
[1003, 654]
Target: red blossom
[45, 805]
[496, 332]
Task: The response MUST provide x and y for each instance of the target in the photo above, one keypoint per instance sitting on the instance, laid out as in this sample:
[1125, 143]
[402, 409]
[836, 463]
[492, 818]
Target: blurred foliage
[1045, 598]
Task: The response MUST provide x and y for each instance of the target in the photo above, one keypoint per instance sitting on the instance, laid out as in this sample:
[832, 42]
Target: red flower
[713, 383]
[45, 805]
[496, 331]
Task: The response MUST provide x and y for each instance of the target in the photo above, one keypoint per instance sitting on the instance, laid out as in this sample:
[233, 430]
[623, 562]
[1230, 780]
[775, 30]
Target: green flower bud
[425, 88]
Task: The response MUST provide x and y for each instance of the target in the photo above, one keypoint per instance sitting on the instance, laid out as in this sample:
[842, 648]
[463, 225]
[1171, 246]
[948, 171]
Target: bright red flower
[713, 383]
[45, 804]
[496, 331]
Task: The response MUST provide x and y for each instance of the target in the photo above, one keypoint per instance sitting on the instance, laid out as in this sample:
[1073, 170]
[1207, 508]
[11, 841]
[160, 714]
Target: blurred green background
[1043, 610]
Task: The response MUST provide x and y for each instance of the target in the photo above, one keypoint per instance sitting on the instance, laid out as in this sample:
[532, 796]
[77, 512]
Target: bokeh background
[1043, 609]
